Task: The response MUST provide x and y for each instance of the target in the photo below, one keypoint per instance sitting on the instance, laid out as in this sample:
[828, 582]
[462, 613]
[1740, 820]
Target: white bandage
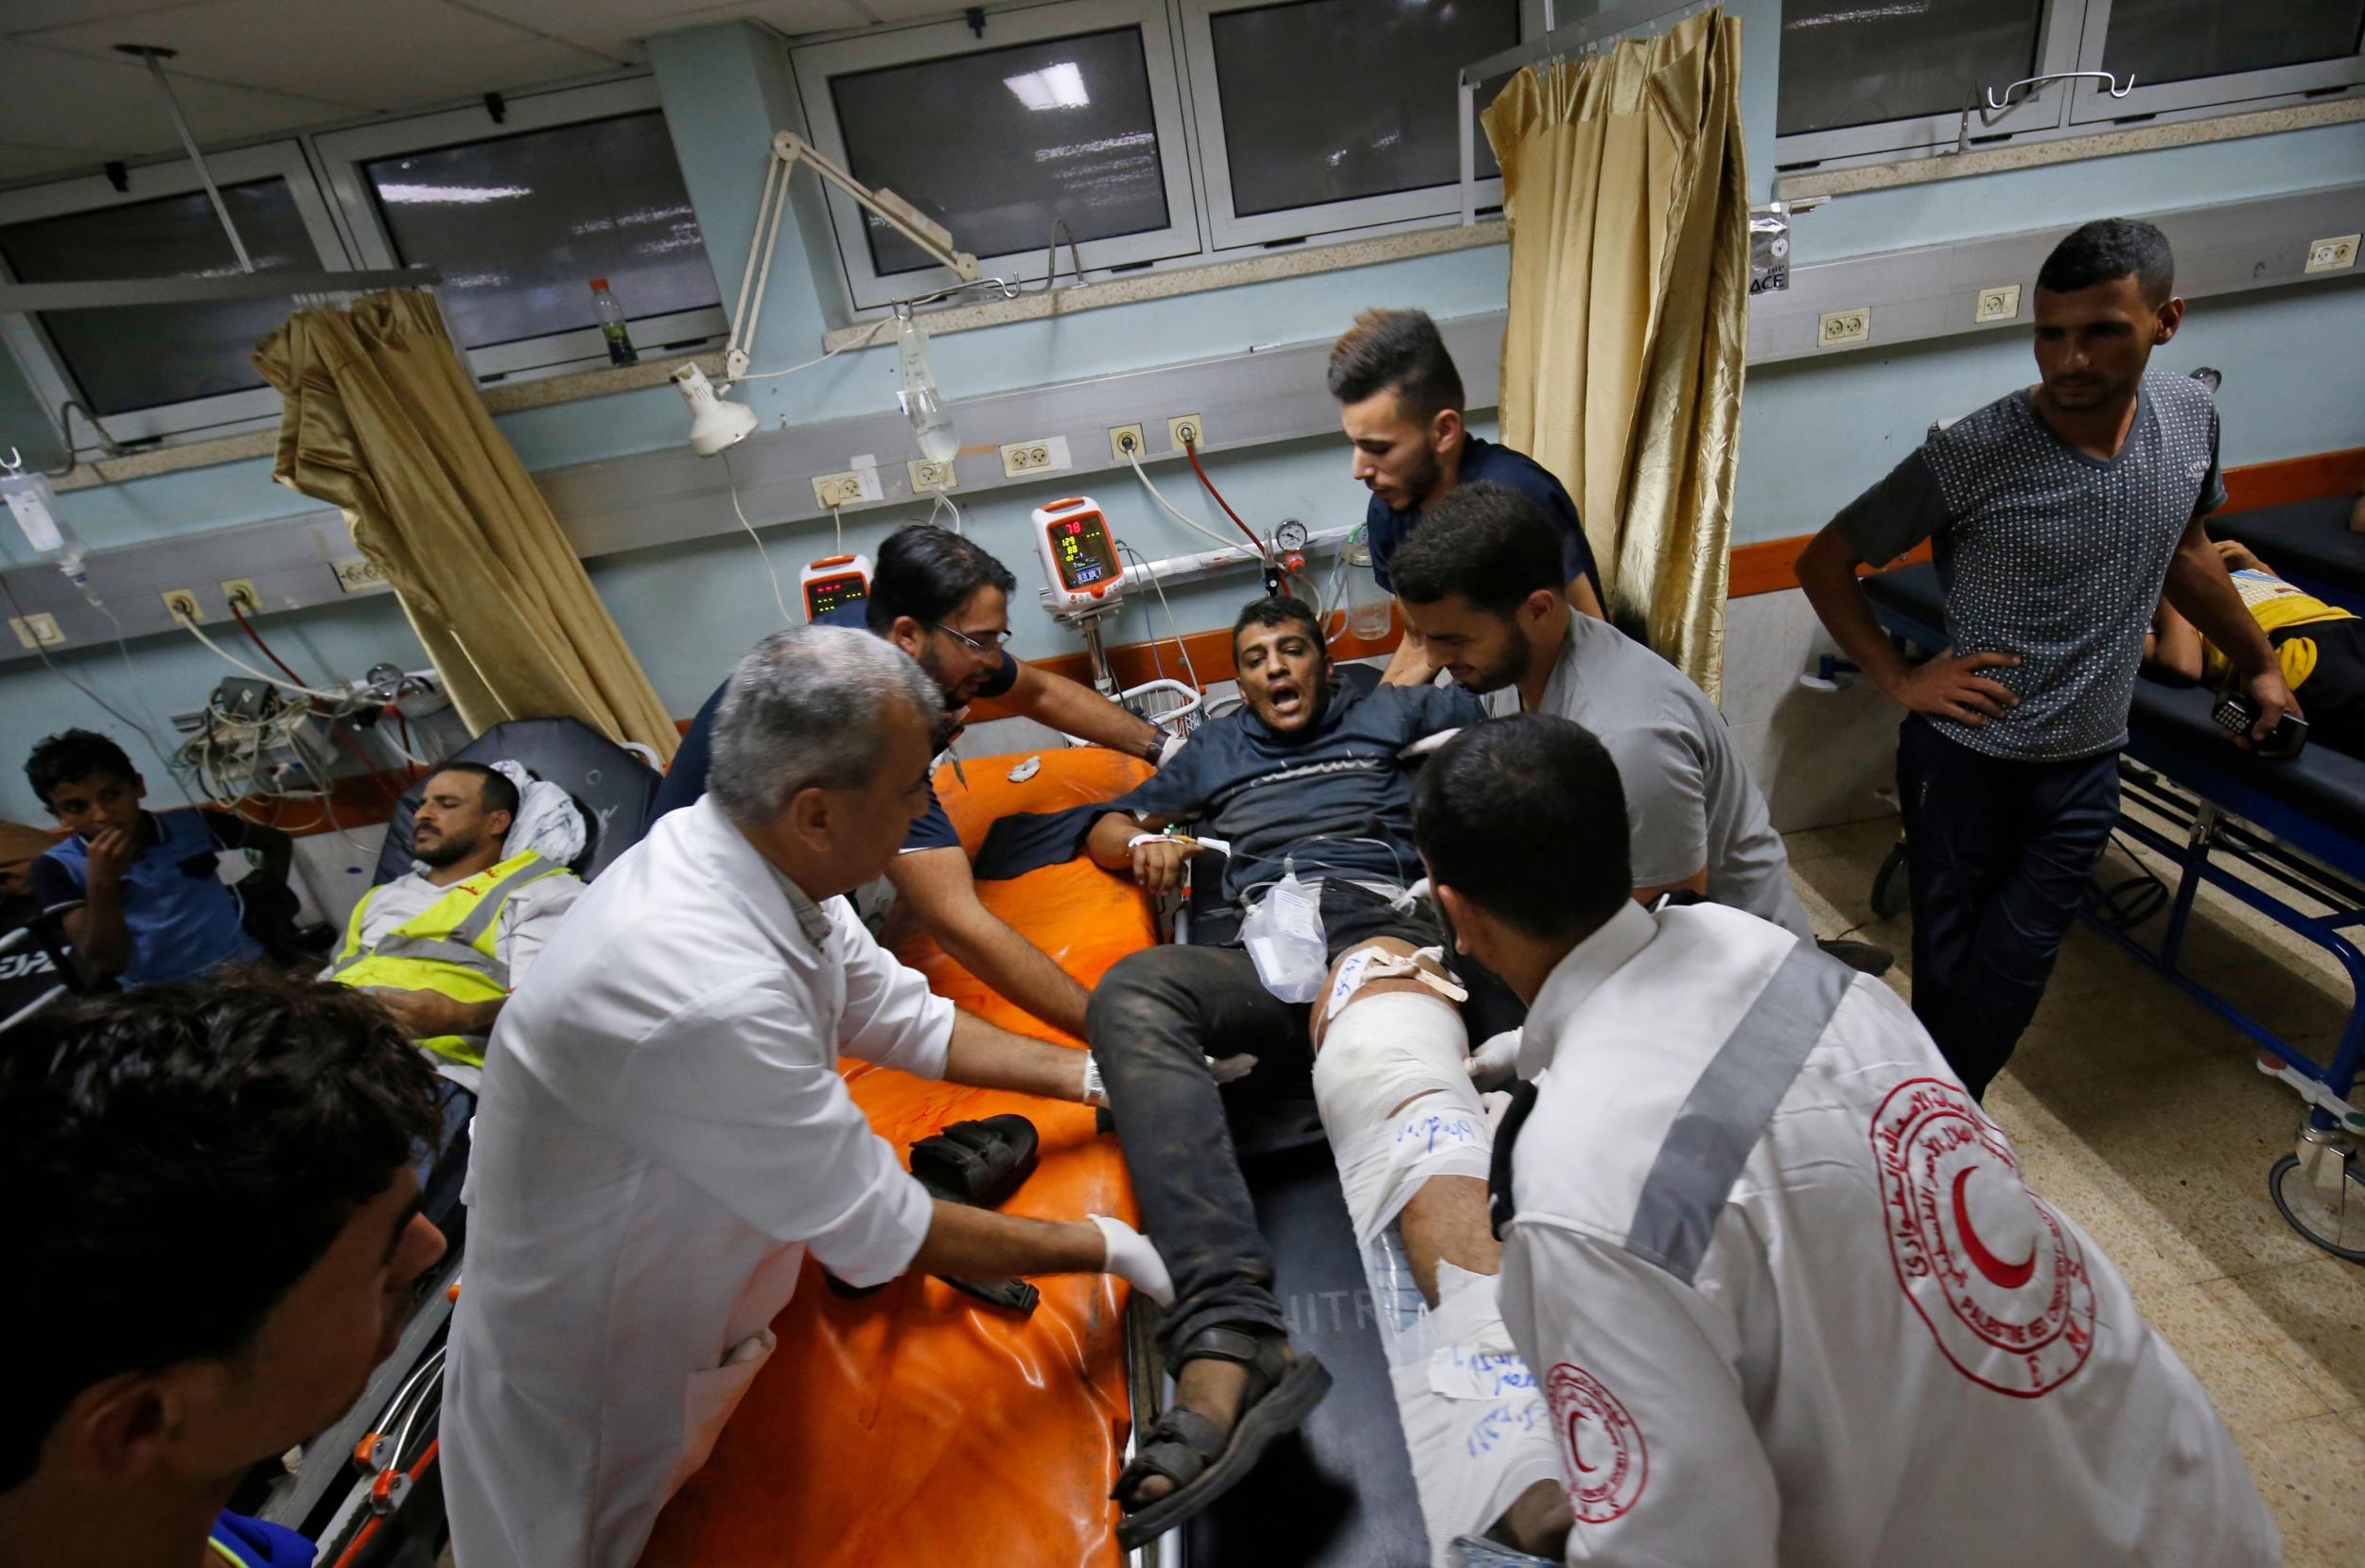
[1379, 1051]
[1474, 1423]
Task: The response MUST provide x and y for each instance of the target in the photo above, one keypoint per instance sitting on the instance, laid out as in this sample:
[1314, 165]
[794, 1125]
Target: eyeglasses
[988, 643]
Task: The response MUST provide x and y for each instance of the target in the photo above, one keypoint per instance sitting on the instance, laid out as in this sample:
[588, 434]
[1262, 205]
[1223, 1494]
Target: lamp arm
[791, 149]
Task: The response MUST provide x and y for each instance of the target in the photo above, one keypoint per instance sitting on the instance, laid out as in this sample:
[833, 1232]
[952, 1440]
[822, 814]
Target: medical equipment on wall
[34, 505]
[716, 422]
[832, 583]
[1079, 556]
[1369, 610]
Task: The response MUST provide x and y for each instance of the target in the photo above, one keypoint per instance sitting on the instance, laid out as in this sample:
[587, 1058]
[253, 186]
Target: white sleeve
[740, 1096]
[1666, 801]
[1639, 1372]
[891, 1017]
[531, 915]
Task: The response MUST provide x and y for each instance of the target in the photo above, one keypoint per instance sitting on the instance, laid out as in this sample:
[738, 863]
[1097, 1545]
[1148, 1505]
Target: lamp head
[714, 422]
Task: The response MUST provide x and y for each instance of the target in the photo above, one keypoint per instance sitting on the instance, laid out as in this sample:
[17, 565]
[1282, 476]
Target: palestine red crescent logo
[1607, 1461]
[1987, 1264]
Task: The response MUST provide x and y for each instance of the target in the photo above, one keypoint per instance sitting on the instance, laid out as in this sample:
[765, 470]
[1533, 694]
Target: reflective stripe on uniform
[1725, 1113]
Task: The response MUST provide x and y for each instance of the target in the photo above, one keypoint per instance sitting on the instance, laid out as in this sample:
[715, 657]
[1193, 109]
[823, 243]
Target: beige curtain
[383, 421]
[1628, 205]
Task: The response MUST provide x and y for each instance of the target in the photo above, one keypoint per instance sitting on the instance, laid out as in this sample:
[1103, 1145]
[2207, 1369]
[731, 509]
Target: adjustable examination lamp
[715, 423]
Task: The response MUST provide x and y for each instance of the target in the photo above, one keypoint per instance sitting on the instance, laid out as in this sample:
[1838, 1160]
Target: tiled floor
[2139, 1112]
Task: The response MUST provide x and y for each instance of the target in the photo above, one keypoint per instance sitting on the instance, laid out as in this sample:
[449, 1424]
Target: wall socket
[927, 476]
[1852, 325]
[357, 572]
[1119, 435]
[240, 591]
[39, 630]
[1187, 430]
[182, 605]
[1998, 303]
[2332, 256]
[1040, 455]
[836, 490]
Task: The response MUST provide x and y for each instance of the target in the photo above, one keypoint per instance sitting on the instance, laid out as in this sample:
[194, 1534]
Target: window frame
[2092, 108]
[342, 153]
[1230, 230]
[45, 366]
[815, 64]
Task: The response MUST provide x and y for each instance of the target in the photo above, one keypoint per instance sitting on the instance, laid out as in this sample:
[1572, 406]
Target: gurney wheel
[2339, 1228]
[1888, 884]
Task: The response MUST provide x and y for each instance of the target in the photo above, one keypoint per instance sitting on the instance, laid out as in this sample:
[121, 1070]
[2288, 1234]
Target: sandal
[1190, 1450]
[980, 1163]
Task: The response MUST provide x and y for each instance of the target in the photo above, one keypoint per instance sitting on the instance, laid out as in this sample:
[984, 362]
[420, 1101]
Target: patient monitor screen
[1080, 548]
[824, 594]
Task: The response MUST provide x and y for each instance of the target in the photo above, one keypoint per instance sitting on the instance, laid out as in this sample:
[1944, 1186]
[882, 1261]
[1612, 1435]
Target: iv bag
[921, 405]
[34, 506]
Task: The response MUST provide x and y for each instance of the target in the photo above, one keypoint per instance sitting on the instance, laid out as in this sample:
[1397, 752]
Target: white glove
[1131, 1258]
[1096, 1091]
[1496, 1062]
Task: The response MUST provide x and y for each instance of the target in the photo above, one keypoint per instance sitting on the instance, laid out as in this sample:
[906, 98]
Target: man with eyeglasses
[946, 603]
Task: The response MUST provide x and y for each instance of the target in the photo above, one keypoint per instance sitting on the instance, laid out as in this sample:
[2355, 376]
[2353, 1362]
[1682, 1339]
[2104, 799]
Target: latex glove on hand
[1131, 1258]
[1496, 1062]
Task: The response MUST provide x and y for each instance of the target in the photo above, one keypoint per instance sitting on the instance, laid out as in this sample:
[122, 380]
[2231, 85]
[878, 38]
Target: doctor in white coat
[1774, 1271]
[664, 1134]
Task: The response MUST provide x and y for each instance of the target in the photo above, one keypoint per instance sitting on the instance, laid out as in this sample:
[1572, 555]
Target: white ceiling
[251, 68]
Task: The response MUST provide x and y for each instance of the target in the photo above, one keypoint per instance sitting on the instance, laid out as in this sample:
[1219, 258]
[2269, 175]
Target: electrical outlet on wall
[39, 630]
[2335, 255]
[927, 476]
[1998, 304]
[1036, 455]
[1852, 325]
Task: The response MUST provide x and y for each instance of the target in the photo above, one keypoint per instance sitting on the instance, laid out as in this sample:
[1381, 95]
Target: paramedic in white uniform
[664, 1134]
[1777, 1276]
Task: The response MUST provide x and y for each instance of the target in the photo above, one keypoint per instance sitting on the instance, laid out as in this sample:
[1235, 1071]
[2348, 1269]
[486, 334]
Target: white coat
[1789, 1303]
[663, 1136]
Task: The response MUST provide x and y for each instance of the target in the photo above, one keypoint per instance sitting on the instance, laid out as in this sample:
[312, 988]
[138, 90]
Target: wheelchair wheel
[2338, 1226]
[1888, 884]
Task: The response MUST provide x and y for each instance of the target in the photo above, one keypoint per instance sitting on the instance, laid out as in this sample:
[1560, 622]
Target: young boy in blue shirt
[225, 1241]
[152, 905]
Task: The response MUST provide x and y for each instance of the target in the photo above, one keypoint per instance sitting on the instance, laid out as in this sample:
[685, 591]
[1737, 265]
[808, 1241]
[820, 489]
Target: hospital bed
[2286, 838]
[2308, 541]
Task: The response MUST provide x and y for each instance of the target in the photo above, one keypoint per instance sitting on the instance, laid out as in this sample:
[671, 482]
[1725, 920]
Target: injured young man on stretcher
[1339, 958]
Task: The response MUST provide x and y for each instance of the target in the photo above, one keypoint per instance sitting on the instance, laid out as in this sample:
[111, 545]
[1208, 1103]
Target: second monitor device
[832, 583]
[1079, 558]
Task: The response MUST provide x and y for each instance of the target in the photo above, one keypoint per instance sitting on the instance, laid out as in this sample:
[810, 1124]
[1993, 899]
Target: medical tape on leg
[1397, 1103]
[1365, 964]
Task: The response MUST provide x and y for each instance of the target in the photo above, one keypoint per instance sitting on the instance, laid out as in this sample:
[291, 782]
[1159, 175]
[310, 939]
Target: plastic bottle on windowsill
[620, 349]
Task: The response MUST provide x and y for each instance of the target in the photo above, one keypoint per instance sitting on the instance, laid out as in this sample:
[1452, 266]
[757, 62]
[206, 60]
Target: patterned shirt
[2049, 554]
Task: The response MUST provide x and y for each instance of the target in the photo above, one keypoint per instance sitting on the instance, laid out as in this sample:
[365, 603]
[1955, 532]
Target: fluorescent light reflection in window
[1060, 86]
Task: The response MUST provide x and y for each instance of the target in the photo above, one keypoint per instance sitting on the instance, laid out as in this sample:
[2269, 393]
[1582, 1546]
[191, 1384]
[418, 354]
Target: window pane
[520, 225]
[998, 145]
[2163, 40]
[1333, 99]
[1862, 62]
[145, 356]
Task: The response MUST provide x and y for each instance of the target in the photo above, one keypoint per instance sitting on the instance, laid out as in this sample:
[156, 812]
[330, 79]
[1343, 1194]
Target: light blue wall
[1813, 432]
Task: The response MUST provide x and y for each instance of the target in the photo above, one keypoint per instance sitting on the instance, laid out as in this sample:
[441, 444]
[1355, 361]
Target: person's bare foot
[1206, 1387]
[1537, 1522]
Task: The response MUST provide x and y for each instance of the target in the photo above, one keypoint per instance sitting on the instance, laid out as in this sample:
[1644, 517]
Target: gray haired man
[665, 1135]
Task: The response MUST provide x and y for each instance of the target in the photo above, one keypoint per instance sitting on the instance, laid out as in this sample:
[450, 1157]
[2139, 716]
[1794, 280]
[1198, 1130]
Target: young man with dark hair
[1479, 582]
[1778, 1279]
[1309, 782]
[1401, 402]
[943, 600]
[2058, 513]
[441, 949]
[224, 1243]
[154, 906]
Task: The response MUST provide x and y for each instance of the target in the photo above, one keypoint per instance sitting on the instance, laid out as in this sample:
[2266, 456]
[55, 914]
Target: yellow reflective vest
[447, 948]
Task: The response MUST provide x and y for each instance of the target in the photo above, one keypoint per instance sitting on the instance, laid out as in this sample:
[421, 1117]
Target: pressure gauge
[1290, 536]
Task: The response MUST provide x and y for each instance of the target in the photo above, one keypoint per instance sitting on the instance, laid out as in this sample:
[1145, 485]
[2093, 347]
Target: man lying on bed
[2319, 646]
[1309, 785]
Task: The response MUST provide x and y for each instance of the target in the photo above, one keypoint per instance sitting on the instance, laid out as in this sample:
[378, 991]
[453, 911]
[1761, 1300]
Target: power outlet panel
[357, 573]
[182, 605]
[844, 488]
[1852, 325]
[37, 631]
[240, 591]
[1041, 455]
[2335, 255]
[1187, 430]
[927, 476]
[1119, 436]
[1998, 303]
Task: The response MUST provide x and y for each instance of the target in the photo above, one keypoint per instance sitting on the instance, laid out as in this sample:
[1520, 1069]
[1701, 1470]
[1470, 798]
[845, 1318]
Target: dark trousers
[2001, 854]
[1154, 1019]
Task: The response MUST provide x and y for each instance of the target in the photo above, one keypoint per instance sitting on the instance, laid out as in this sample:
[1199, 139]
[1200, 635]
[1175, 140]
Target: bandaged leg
[1401, 1112]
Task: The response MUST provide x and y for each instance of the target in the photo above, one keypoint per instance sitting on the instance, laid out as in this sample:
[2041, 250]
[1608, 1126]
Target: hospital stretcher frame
[2227, 807]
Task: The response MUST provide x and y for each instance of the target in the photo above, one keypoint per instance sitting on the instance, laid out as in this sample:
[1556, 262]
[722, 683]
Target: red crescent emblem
[2000, 1274]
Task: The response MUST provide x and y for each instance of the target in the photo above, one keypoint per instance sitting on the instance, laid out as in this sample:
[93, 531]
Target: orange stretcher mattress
[917, 1426]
